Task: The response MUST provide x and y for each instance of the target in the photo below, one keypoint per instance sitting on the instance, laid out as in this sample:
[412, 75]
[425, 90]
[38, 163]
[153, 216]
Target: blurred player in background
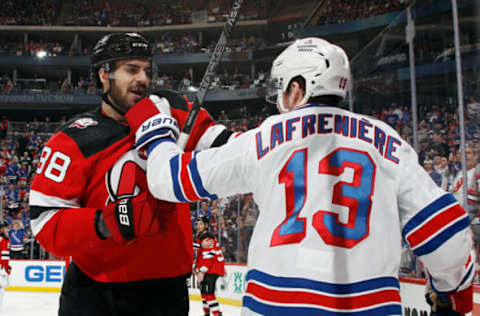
[5, 268]
[89, 198]
[337, 191]
[473, 182]
[209, 265]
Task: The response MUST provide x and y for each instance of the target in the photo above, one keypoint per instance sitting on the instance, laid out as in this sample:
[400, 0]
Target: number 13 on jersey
[355, 196]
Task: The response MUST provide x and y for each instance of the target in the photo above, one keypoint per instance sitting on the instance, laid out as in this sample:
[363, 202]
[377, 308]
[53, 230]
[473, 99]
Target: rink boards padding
[47, 276]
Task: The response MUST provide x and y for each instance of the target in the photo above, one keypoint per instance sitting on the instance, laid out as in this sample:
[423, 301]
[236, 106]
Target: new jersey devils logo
[83, 122]
[127, 177]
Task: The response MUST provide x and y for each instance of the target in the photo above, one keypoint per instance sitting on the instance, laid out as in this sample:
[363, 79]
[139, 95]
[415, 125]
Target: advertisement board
[36, 275]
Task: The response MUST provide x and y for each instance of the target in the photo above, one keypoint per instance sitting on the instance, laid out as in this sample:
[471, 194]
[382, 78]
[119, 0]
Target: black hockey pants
[82, 296]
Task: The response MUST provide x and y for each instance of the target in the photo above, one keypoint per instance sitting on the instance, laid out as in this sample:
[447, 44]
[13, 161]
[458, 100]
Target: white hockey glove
[158, 127]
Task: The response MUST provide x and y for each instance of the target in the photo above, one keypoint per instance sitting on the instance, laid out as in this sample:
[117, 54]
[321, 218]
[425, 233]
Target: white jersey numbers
[56, 164]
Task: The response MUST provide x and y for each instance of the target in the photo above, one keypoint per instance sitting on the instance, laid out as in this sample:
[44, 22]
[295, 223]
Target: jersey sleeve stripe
[197, 180]
[438, 205]
[438, 222]
[174, 169]
[468, 279]
[187, 184]
[434, 243]
[38, 223]
[39, 199]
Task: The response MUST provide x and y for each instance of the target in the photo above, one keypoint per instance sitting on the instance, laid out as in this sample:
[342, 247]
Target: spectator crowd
[124, 13]
[19, 156]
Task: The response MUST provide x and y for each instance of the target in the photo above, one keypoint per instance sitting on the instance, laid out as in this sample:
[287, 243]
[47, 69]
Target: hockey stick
[209, 73]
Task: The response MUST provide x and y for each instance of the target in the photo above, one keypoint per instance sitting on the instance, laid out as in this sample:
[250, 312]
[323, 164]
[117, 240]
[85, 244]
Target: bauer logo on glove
[124, 218]
[123, 213]
[157, 127]
[159, 120]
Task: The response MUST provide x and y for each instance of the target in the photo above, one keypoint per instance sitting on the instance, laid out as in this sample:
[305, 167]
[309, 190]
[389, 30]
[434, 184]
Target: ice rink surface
[46, 304]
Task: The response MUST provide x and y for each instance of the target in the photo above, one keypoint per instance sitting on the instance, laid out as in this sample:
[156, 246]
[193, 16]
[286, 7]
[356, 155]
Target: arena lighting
[41, 54]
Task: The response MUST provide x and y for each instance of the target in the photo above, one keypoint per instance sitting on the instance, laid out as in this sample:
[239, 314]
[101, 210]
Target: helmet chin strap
[106, 99]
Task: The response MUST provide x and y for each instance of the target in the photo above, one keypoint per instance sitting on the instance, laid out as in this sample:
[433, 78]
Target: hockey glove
[150, 120]
[450, 304]
[129, 218]
[159, 126]
[145, 109]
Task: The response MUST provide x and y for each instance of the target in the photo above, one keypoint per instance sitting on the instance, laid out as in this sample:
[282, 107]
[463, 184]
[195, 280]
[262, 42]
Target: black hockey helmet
[202, 219]
[118, 46]
[3, 223]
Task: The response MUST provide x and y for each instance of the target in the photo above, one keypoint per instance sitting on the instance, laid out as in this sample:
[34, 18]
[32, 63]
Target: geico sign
[53, 273]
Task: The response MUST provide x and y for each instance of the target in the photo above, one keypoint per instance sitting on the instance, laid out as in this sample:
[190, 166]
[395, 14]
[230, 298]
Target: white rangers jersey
[337, 192]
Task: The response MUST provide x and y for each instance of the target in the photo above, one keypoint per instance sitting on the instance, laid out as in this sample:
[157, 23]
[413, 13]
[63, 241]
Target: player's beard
[121, 98]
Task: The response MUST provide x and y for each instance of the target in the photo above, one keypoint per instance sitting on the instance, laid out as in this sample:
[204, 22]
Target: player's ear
[104, 76]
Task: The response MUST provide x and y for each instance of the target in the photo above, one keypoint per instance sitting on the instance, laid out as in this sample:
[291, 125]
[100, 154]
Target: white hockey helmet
[324, 66]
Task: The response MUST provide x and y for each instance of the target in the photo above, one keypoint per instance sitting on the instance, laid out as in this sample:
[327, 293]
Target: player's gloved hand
[159, 126]
[143, 110]
[450, 304]
[129, 218]
[150, 119]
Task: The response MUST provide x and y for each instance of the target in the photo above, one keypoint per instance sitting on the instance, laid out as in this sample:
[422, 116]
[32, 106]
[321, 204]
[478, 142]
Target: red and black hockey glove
[450, 304]
[129, 218]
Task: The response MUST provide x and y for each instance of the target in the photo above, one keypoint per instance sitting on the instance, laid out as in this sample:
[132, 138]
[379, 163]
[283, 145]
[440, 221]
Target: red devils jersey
[209, 260]
[5, 253]
[89, 163]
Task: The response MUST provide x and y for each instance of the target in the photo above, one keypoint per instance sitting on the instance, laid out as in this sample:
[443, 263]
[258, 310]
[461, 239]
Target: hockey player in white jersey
[337, 192]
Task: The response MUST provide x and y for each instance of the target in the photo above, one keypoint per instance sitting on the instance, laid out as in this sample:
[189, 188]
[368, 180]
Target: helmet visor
[273, 89]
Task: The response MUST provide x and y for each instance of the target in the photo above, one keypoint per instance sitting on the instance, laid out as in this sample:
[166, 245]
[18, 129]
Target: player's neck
[111, 113]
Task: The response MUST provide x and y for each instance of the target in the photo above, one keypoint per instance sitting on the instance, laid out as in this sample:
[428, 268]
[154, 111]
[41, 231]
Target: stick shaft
[215, 59]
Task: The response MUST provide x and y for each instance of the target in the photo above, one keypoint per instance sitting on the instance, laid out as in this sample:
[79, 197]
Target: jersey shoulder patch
[93, 132]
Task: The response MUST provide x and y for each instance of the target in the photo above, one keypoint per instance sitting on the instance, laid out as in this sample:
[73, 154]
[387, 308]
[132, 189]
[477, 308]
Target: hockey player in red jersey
[209, 265]
[5, 268]
[89, 199]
